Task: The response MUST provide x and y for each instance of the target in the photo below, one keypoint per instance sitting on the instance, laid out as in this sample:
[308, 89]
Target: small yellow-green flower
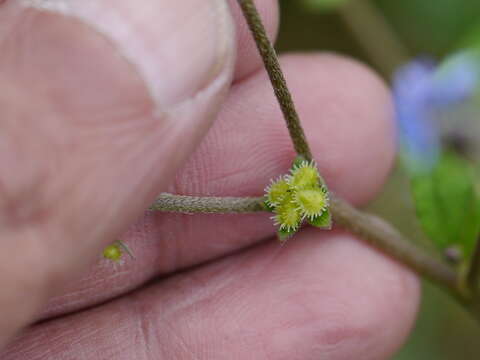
[303, 176]
[288, 216]
[277, 191]
[113, 252]
[311, 202]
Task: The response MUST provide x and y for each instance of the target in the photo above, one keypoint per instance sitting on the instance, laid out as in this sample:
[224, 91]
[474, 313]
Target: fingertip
[339, 294]
[374, 300]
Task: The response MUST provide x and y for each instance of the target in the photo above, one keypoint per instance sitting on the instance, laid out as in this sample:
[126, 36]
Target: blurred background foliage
[386, 34]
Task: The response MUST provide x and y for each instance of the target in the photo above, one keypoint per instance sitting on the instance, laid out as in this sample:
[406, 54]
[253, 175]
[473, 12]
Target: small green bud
[288, 217]
[323, 221]
[284, 235]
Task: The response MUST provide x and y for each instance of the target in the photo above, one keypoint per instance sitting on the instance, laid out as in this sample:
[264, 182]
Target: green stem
[473, 275]
[126, 248]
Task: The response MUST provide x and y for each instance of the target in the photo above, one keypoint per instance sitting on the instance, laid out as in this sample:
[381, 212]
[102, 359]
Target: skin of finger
[72, 126]
[321, 296]
[343, 106]
[135, 103]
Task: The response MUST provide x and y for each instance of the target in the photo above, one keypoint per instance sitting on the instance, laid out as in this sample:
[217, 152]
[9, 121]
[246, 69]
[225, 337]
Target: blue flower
[421, 89]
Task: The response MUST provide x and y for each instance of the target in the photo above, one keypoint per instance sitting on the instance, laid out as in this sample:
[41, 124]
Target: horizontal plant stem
[375, 231]
[195, 204]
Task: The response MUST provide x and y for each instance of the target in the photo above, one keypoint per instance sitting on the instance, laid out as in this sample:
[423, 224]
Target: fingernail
[178, 47]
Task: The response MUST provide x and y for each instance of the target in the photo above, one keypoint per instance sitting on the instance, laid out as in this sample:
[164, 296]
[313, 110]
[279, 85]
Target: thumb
[100, 102]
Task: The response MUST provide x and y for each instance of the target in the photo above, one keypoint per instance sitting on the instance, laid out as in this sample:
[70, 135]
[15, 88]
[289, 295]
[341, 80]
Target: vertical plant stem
[376, 232]
[374, 34]
[279, 84]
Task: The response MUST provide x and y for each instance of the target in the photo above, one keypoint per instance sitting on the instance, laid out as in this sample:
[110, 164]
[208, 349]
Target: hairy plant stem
[277, 79]
[372, 229]
[207, 205]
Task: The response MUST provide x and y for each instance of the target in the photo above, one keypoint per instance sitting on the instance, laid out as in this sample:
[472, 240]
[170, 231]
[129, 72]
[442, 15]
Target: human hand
[98, 113]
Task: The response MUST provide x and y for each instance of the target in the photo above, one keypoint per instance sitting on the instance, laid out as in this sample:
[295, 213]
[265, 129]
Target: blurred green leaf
[447, 204]
[323, 221]
[471, 38]
[433, 27]
[323, 5]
